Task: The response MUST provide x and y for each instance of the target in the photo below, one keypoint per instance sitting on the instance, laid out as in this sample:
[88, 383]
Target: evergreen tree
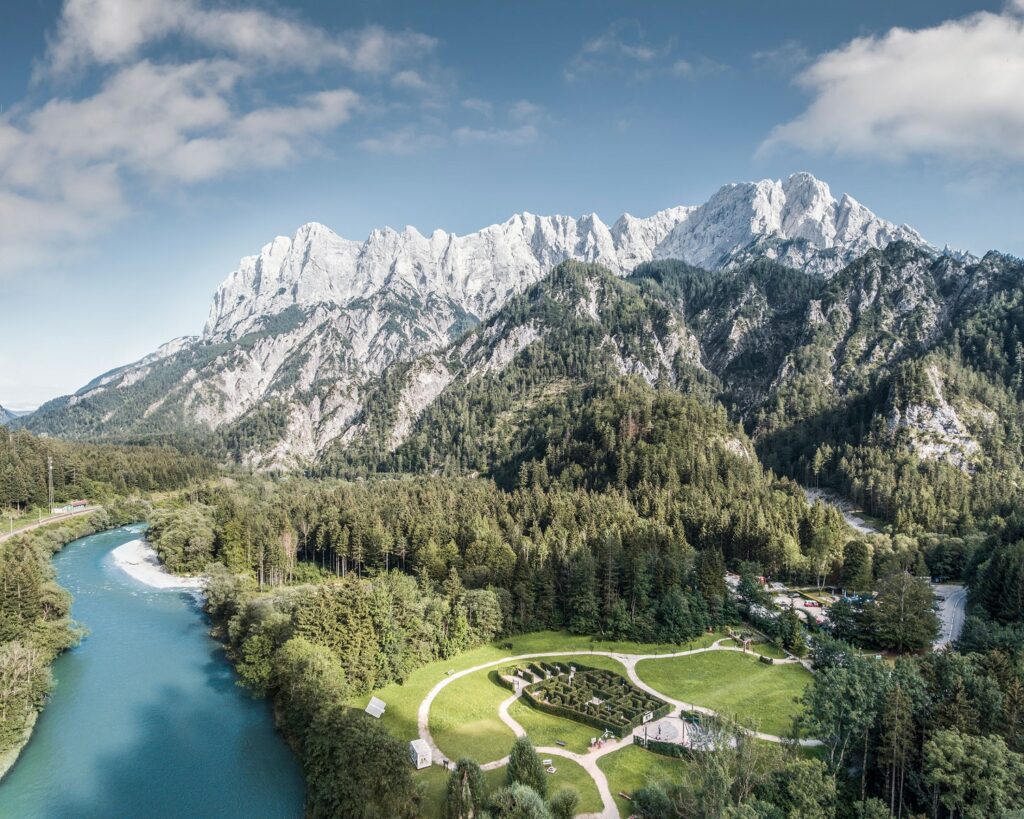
[525, 768]
[467, 791]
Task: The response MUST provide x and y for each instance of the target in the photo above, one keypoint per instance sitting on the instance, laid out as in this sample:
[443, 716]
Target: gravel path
[587, 761]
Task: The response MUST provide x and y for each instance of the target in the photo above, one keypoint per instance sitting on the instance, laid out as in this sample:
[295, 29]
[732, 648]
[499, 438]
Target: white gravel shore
[138, 559]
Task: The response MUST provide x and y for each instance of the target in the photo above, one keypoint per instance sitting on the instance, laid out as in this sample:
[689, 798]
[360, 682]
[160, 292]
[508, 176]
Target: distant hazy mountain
[7, 415]
[298, 334]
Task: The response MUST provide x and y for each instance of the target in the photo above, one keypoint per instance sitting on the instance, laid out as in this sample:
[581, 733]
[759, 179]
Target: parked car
[812, 604]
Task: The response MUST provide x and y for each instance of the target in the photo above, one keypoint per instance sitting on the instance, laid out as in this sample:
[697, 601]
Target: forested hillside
[594, 457]
[34, 610]
[90, 471]
[897, 382]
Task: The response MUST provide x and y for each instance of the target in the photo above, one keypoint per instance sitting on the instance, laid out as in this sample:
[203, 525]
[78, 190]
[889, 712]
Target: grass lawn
[567, 775]
[435, 785]
[546, 729]
[767, 649]
[732, 684]
[770, 650]
[404, 699]
[464, 718]
[633, 768]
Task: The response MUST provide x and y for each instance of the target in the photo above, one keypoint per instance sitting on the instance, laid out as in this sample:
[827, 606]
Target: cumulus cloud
[148, 122]
[109, 32]
[951, 91]
[64, 166]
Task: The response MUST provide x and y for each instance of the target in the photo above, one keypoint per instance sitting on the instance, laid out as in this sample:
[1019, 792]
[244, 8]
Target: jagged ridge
[297, 335]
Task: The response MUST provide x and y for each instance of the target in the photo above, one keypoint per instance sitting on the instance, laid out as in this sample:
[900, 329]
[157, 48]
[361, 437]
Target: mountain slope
[869, 381]
[298, 334]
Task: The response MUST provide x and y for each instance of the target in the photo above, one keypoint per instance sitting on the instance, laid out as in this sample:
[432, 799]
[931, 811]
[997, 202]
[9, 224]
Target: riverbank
[145, 717]
[140, 561]
[10, 756]
[47, 540]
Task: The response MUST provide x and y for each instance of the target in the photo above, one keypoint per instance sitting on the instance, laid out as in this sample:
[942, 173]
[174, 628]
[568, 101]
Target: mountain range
[324, 349]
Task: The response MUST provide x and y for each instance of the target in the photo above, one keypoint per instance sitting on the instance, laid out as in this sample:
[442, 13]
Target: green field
[567, 775]
[404, 699]
[733, 684]
[571, 775]
[633, 768]
[767, 649]
[464, 718]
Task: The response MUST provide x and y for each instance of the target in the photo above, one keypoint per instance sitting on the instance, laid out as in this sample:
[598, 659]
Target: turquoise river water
[145, 719]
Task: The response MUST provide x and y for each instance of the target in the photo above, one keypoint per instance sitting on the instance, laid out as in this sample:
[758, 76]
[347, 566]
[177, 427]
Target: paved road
[952, 599]
[46, 520]
[846, 509]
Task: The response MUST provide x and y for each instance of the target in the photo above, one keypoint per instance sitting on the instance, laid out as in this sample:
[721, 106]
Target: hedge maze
[593, 696]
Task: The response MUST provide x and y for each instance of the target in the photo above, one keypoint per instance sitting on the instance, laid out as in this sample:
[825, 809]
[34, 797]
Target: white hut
[375, 708]
[419, 754]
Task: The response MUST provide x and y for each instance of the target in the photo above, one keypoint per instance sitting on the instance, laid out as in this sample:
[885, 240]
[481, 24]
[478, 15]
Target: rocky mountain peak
[797, 221]
[298, 332]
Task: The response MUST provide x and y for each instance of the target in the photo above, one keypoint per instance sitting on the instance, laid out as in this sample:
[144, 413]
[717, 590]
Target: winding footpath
[587, 761]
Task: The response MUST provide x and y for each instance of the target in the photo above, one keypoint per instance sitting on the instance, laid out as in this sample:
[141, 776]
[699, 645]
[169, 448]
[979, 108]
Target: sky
[146, 145]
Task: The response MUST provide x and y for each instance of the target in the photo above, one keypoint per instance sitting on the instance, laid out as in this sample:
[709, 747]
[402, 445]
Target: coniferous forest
[557, 493]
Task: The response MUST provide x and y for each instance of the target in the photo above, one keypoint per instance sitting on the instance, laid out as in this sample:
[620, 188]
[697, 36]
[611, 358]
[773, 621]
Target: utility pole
[49, 480]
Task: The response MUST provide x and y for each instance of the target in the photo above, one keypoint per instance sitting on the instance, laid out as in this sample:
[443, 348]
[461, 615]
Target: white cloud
[402, 142]
[526, 111]
[953, 90]
[410, 80]
[624, 49]
[478, 105]
[519, 135]
[786, 58]
[524, 119]
[108, 32]
[64, 166]
[74, 165]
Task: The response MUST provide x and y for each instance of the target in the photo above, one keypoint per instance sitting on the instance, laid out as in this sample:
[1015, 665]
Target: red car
[812, 604]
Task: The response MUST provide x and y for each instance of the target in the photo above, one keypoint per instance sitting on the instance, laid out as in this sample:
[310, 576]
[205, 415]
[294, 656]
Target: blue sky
[146, 145]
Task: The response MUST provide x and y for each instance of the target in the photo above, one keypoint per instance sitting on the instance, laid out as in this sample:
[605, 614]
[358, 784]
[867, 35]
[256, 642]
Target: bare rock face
[298, 332]
[933, 429]
[798, 222]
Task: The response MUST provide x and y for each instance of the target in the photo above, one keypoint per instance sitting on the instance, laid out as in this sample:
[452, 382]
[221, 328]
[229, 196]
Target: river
[145, 719]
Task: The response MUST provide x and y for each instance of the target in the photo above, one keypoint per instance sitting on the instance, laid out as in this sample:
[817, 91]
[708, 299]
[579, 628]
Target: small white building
[419, 754]
[375, 707]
